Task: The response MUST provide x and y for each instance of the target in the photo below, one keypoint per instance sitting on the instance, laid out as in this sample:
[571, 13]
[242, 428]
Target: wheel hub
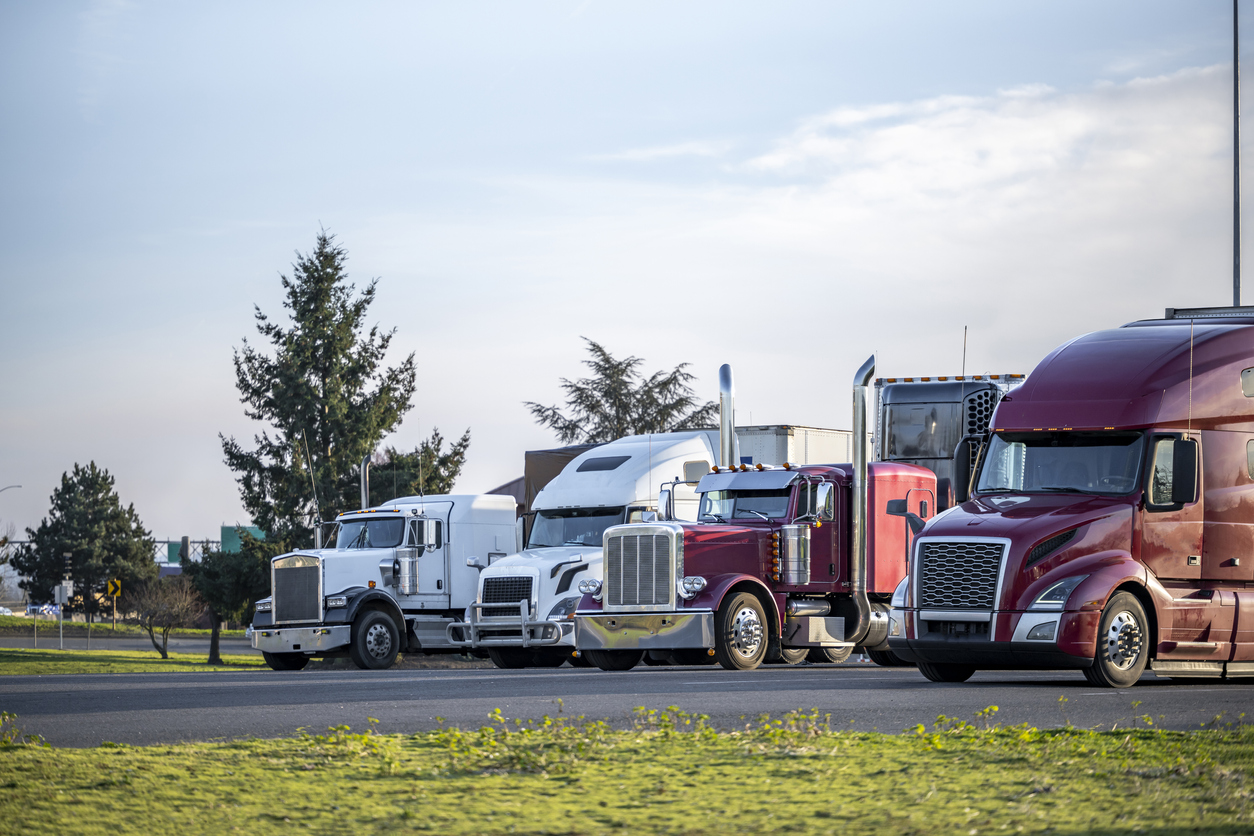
[1123, 641]
[378, 641]
[746, 632]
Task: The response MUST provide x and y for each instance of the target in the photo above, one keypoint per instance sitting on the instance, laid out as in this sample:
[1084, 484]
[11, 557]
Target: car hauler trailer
[783, 559]
[394, 578]
[523, 613]
[1111, 525]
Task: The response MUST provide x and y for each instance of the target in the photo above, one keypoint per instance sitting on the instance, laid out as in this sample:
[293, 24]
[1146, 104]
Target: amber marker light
[372, 584]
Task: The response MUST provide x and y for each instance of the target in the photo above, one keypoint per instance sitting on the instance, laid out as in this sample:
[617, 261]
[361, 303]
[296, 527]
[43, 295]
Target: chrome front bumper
[302, 639]
[530, 632]
[645, 631]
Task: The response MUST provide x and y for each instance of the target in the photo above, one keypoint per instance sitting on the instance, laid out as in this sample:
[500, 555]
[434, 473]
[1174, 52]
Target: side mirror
[693, 471]
[897, 508]
[648, 516]
[962, 472]
[665, 505]
[1184, 471]
[824, 506]
[473, 563]
[432, 533]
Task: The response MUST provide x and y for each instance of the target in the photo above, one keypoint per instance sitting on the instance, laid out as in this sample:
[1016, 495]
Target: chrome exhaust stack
[365, 482]
[728, 447]
[861, 455]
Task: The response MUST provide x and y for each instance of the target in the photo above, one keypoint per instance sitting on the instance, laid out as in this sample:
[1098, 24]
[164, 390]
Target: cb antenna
[313, 483]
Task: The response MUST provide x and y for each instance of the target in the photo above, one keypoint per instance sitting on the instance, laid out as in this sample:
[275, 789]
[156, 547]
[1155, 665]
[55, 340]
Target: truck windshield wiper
[759, 513]
[987, 491]
[718, 517]
[1060, 489]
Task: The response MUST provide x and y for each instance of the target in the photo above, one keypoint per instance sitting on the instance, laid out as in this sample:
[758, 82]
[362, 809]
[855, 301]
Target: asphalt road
[162, 708]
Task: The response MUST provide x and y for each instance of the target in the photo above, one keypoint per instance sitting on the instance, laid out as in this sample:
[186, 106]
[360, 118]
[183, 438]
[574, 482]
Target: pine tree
[429, 469]
[617, 401]
[324, 387]
[230, 582]
[104, 540]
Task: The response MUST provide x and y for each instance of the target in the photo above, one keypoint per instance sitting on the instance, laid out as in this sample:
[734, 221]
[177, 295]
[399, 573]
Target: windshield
[744, 505]
[385, 533]
[921, 430]
[573, 526]
[1067, 462]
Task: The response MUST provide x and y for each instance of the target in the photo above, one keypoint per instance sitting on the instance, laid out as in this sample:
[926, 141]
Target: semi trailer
[783, 559]
[1110, 525]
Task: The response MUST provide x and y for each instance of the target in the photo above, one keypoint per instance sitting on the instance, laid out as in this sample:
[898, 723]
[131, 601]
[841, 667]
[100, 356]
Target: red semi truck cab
[781, 560]
[1109, 524]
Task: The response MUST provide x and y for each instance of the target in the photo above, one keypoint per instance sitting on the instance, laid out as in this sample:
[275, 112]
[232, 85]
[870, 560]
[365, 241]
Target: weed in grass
[550, 745]
[12, 735]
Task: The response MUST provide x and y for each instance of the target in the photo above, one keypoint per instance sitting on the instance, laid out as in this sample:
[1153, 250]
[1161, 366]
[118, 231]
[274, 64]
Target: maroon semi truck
[783, 560]
[1109, 523]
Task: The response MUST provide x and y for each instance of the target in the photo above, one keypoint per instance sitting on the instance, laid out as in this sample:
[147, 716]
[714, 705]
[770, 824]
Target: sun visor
[748, 480]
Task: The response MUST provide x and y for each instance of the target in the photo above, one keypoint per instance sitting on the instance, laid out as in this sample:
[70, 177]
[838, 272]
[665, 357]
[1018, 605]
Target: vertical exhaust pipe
[365, 481]
[861, 454]
[728, 448]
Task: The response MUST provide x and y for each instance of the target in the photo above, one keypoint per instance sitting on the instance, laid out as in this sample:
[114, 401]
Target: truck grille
[505, 591]
[959, 575]
[638, 571]
[297, 589]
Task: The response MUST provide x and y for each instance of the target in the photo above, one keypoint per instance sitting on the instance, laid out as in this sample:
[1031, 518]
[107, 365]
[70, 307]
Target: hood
[540, 559]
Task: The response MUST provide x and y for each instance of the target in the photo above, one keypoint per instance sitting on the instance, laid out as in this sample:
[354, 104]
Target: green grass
[670, 774]
[28, 661]
[16, 625]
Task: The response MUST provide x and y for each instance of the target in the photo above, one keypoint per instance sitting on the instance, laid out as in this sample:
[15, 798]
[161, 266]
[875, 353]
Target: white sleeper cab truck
[524, 612]
[395, 578]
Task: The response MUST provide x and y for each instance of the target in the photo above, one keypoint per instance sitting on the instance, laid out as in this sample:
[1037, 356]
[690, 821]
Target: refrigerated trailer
[1111, 523]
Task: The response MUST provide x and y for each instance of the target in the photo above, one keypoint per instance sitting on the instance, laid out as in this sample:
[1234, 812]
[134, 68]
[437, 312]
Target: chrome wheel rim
[1123, 641]
[746, 632]
[378, 641]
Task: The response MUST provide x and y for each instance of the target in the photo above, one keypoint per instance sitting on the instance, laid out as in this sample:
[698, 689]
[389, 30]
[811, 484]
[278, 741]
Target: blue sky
[787, 187]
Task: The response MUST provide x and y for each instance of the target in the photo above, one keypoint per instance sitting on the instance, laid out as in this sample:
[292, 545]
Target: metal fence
[163, 551]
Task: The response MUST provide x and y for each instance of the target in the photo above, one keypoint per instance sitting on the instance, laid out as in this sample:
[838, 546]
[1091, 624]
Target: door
[433, 568]
[1171, 532]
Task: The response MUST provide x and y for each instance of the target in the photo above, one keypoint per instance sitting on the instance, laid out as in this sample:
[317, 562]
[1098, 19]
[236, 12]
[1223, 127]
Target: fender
[359, 597]
[719, 585]
[1107, 571]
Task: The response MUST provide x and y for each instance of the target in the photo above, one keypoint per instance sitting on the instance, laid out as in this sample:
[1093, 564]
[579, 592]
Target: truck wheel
[789, 656]
[946, 672]
[550, 658]
[375, 641]
[834, 655]
[511, 658]
[888, 659]
[1122, 635]
[614, 660]
[740, 632]
[285, 661]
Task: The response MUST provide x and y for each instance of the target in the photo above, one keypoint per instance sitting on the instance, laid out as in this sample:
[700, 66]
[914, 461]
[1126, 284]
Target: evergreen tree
[429, 469]
[230, 582]
[104, 540]
[617, 401]
[323, 387]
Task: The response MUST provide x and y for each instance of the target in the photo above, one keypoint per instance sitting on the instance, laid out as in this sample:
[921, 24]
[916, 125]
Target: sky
[785, 187]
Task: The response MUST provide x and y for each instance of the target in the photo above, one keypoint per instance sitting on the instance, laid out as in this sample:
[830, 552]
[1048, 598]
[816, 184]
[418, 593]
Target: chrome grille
[959, 575]
[509, 590]
[638, 570]
[297, 593]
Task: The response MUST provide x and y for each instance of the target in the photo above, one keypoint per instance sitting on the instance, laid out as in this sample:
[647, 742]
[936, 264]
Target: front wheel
[946, 672]
[375, 641]
[888, 659]
[511, 658]
[740, 632]
[614, 660]
[1122, 636]
[285, 661]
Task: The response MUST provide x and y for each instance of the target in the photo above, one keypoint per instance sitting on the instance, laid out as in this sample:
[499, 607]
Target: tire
[946, 672]
[375, 641]
[614, 660]
[1122, 643]
[888, 659]
[789, 656]
[833, 655]
[512, 658]
[549, 658]
[692, 656]
[285, 661]
[740, 632]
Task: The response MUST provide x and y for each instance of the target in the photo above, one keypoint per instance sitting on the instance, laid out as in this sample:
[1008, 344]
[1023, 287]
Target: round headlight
[694, 584]
[590, 586]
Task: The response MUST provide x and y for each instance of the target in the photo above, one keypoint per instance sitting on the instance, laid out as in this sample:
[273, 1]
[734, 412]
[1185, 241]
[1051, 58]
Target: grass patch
[671, 773]
[28, 662]
[17, 626]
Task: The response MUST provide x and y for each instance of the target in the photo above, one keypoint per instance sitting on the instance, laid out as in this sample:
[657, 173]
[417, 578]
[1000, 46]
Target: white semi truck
[524, 612]
[395, 577]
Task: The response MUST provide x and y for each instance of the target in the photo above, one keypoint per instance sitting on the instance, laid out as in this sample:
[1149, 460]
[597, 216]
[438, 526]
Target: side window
[1161, 471]
[439, 534]
[415, 535]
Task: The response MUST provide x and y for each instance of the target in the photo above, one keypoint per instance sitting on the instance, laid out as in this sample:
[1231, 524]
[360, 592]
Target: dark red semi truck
[1108, 523]
[783, 560]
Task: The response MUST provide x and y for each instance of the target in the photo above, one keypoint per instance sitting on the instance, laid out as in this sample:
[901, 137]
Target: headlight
[591, 586]
[1055, 598]
[692, 584]
[564, 608]
[264, 606]
[337, 601]
[899, 595]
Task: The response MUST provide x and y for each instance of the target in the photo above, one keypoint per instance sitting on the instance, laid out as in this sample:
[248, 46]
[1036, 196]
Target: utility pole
[1236, 159]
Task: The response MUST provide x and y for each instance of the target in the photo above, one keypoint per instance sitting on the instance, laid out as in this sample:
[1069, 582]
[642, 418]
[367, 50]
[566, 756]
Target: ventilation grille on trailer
[980, 410]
